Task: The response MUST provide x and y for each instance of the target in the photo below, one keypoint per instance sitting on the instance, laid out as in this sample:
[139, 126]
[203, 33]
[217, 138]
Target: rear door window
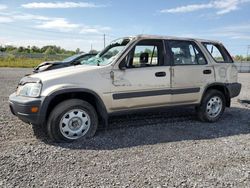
[185, 53]
[218, 52]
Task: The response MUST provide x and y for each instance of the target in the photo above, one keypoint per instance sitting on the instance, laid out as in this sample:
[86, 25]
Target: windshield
[109, 53]
[71, 58]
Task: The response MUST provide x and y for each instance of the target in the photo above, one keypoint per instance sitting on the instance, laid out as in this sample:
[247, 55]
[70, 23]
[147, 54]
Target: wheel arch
[58, 96]
[220, 87]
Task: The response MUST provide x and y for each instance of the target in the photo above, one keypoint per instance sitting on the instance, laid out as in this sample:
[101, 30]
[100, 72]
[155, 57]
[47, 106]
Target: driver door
[145, 81]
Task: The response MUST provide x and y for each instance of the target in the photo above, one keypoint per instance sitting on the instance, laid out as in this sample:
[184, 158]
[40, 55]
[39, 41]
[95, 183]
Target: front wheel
[212, 106]
[71, 120]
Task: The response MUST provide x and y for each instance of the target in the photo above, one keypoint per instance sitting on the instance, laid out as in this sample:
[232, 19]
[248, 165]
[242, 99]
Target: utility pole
[248, 47]
[104, 40]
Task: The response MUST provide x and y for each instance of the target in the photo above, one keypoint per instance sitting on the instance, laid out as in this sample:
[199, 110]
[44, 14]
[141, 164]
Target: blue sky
[80, 24]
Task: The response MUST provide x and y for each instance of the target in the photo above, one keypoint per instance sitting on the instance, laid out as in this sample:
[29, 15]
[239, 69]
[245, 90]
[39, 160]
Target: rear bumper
[234, 89]
[21, 107]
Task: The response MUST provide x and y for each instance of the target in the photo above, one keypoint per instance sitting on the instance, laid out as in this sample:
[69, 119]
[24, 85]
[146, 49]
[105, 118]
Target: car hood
[50, 63]
[64, 72]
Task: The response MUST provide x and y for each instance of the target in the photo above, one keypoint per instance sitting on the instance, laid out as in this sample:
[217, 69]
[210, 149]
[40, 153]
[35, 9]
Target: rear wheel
[71, 120]
[212, 106]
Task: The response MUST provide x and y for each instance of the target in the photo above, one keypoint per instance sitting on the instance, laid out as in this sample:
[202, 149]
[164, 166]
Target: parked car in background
[131, 74]
[72, 60]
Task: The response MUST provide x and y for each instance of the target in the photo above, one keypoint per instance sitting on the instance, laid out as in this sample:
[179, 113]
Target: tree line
[47, 50]
[241, 58]
[57, 50]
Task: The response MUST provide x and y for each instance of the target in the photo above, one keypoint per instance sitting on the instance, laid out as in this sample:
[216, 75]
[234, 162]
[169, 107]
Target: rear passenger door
[190, 71]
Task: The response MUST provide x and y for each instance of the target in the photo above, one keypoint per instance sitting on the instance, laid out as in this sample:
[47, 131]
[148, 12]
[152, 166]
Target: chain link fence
[243, 67]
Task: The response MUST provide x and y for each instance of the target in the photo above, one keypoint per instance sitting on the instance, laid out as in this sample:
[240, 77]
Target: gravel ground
[167, 149]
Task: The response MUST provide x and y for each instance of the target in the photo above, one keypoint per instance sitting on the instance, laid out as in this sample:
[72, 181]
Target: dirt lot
[169, 148]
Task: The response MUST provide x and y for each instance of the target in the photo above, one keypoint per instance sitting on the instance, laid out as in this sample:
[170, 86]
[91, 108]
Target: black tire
[203, 111]
[53, 125]
[40, 132]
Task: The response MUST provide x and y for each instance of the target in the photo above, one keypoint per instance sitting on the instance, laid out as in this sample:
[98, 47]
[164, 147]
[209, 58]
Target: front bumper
[21, 107]
[234, 89]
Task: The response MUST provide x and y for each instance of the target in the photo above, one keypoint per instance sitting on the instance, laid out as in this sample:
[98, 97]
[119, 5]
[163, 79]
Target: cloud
[52, 23]
[24, 16]
[60, 24]
[188, 8]
[17, 16]
[3, 7]
[236, 31]
[4, 19]
[94, 30]
[240, 31]
[38, 5]
[221, 7]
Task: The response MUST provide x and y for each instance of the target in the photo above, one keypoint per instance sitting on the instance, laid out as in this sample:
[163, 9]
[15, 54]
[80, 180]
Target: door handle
[207, 71]
[160, 74]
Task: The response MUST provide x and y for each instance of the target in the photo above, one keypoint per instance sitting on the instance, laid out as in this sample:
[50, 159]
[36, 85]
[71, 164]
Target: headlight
[29, 90]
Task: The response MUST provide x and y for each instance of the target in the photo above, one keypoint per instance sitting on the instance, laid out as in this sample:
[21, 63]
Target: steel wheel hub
[74, 124]
[214, 106]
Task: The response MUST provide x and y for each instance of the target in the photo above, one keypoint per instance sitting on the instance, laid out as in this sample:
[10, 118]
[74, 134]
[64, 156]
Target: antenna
[104, 40]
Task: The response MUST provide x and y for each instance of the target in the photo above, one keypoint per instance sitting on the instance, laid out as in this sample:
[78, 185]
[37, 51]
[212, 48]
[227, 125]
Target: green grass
[21, 62]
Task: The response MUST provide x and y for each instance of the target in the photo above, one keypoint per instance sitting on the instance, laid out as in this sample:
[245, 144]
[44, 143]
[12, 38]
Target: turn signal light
[34, 109]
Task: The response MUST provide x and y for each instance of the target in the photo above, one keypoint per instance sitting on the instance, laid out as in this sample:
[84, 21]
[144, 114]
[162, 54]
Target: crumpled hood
[64, 72]
[49, 63]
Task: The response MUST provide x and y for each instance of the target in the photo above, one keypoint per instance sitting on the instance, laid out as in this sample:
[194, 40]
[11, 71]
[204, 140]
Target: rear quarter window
[218, 52]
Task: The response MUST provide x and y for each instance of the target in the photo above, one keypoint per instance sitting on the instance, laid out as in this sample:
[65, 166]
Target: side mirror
[144, 58]
[122, 65]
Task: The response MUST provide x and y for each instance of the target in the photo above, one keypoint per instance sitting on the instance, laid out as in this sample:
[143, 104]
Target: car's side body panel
[142, 87]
